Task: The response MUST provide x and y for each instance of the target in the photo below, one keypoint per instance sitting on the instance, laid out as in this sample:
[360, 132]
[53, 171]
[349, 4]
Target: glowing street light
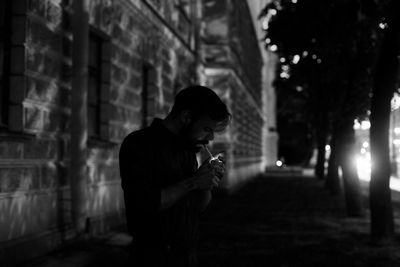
[296, 59]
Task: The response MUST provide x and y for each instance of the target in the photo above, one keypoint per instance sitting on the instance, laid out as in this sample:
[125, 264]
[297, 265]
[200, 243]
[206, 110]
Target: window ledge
[8, 135]
[98, 142]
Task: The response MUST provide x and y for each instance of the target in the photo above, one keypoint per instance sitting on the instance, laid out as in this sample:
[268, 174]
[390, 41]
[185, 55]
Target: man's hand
[219, 166]
[205, 178]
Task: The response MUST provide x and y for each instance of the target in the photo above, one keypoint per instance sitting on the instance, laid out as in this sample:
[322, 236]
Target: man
[164, 189]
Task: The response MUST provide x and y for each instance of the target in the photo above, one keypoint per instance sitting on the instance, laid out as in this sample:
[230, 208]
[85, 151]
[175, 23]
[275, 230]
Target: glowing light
[395, 103]
[305, 53]
[279, 163]
[365, 144]
[319, 61]
[284, 75]
[327, 148]
[314, 56]
[363, 163]
[397, 130]
[364, 171]
[282, 60]
[365, 125]
[294, 1]
[383, 25]
[273, 12]
[267, 41]
[299, 88]
[265, 24]
[296, 59]
[396, 141]
[363, 150]
[273, 48]
[357, 125]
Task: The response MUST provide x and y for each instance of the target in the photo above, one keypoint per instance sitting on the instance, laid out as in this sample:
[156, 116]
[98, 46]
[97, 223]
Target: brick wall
[233, 66]
[35, 201]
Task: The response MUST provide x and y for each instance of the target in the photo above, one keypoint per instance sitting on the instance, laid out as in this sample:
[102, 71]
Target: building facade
[136, 55]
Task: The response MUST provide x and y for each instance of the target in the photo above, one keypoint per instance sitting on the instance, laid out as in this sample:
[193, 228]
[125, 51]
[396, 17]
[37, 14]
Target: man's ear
[186, 117]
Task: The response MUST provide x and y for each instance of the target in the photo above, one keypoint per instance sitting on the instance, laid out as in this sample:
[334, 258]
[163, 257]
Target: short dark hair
[201, 101]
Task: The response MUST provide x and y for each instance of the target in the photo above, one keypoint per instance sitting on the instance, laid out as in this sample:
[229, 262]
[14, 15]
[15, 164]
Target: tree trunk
[385, 83]
[351, 182]
[382, 224]
[321, 143]
[333, 179]
[78, 173]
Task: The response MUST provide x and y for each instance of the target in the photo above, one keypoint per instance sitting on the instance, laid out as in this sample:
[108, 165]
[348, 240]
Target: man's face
[199, 132]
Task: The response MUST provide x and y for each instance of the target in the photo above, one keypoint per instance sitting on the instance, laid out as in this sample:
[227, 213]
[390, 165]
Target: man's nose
[210, 137]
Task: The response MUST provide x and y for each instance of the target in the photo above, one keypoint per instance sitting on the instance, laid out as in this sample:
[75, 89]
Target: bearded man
[165, 190]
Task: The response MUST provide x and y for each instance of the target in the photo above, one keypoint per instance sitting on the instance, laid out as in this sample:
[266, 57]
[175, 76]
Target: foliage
[327, 49]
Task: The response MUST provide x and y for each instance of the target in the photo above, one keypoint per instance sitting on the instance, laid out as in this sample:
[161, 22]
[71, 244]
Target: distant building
[140, 53]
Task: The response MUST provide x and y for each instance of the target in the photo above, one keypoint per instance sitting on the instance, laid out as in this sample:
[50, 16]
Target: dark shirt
[152, 159]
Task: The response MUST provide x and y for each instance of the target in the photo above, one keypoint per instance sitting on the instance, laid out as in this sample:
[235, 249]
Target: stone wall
[233, 66]
[149, 50]
[152, 38]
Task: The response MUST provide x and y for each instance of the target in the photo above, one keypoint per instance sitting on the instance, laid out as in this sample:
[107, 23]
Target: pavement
[281, 220]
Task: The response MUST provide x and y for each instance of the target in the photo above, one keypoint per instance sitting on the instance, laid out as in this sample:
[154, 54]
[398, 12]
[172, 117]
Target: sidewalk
[273, 221]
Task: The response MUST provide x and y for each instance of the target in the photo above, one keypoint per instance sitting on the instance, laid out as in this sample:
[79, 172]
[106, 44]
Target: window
[94, 84]
[145, 93]
[5, 32]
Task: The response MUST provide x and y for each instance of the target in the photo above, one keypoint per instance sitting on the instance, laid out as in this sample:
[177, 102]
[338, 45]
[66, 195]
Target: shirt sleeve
[142, 194]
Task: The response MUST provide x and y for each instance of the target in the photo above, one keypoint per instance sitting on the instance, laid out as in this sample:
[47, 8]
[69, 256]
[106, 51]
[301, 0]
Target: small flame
[209, 153]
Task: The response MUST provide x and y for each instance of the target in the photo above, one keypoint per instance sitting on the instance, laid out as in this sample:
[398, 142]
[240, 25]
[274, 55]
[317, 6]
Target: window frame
[96, 72]
[101, 135]
[6, 64]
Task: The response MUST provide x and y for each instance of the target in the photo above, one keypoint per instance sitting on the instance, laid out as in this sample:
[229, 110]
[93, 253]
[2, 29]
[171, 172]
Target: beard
[191, 144]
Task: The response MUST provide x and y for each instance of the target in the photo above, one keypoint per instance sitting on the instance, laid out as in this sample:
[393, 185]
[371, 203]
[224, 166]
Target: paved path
[288, 221]
[272, 221]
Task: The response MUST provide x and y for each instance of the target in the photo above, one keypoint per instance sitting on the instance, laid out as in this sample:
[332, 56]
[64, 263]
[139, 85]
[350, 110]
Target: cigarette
[209, 153]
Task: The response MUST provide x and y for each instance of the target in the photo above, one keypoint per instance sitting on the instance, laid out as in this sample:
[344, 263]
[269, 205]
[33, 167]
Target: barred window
[5, 32]
[94, 84]
[145, 93]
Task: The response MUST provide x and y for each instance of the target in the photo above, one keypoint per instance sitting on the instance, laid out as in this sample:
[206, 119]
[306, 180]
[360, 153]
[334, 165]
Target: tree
[325, 32]
[385, 83]
[356, 37]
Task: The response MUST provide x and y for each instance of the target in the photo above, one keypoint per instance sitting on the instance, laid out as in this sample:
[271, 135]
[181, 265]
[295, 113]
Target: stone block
[54, 14]
[18, 86]
[136, 64]
[11, 150]
[18, 179]
[42, 36]
[132, 99]
[135, 82]
[166, 68]
[33, 118]
[49, 176]
[118, 74]
[40, 149]
[51, 121]
[18, 60]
